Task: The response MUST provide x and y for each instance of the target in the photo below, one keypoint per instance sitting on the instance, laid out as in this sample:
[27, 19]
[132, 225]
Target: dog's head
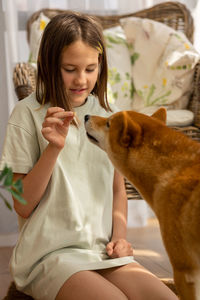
[121, 131]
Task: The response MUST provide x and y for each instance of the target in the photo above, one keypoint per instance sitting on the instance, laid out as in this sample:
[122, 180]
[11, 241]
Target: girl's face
[79, 69]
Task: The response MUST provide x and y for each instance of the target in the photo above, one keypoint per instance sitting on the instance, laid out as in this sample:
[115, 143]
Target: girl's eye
[90, 70]
[69, 70]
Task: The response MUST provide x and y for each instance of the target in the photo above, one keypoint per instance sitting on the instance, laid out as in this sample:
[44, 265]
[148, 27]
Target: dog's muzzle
[86, 118]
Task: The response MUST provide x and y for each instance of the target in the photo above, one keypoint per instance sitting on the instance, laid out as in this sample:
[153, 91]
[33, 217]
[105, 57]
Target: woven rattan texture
[173, 14]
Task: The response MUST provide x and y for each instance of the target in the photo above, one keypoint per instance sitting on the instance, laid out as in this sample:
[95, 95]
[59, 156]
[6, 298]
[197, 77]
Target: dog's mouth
[92, 138]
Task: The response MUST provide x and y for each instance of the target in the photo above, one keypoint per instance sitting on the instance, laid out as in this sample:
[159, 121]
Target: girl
[72, 242]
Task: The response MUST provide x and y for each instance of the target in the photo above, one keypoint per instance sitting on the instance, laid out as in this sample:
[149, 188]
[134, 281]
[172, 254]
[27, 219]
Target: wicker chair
[173, 14]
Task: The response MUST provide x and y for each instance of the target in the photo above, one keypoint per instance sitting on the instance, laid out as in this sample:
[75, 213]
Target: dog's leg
[188, 284]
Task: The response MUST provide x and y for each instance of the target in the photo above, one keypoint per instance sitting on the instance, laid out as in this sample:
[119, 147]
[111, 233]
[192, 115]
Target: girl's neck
[81, 104]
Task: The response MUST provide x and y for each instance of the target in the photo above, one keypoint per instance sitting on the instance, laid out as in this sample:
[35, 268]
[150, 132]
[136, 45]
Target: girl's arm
[54, 130]
[119, 246]
[35, 182]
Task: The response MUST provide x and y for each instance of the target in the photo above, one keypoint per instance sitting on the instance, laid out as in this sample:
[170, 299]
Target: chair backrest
[173, 14]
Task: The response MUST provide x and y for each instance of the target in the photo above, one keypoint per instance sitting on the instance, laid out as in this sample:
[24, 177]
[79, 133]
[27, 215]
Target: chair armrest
[192, 132]
[24, 75]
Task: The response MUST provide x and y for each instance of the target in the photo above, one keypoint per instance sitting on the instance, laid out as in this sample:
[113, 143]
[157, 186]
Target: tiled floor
[146, 241]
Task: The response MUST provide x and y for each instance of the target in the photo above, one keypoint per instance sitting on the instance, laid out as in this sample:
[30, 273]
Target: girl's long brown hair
[61, 31]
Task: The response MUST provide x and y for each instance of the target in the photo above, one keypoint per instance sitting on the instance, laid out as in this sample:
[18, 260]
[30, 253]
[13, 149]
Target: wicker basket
[173, 14]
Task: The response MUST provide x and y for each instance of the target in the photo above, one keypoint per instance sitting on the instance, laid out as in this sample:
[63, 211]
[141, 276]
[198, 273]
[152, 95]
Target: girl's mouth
[77, 91]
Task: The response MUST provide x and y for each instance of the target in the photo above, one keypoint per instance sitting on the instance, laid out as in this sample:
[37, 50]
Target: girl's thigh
[87, 285]
[137, 283]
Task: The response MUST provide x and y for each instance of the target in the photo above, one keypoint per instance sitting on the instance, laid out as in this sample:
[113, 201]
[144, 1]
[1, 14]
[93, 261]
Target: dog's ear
[131, 132]
[161, 114]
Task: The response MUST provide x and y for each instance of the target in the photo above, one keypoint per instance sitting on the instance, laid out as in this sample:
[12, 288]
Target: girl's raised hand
[56, 125]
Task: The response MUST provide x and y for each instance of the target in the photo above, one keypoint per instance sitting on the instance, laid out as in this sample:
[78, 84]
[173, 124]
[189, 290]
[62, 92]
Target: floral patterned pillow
[36, 31]
[164, 68]
[119, 67]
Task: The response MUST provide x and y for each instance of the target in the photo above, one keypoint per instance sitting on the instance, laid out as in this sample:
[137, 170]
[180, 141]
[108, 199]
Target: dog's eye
[107, 124]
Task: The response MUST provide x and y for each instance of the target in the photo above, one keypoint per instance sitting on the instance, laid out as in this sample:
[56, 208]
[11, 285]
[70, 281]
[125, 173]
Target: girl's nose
[80, 78]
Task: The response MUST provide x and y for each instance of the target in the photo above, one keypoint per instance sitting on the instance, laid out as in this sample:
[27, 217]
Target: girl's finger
[63, 114]
[67, 120]
[52, 110]
[46, 130]
[109, 248]
[52, 121]
[110, 245]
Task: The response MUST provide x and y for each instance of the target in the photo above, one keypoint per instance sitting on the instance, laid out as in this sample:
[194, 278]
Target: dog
[164, 166]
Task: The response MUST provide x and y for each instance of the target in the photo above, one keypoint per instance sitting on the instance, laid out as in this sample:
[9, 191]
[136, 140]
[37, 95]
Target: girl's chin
[78, 102]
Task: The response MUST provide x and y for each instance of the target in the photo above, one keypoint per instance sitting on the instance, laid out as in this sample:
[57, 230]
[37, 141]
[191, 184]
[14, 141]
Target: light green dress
[69, 229]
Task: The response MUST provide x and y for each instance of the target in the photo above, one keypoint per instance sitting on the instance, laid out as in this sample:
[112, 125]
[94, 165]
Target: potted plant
[14, 187]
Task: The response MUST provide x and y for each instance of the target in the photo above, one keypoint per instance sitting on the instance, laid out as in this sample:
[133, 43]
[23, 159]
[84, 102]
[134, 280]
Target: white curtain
[14, 14]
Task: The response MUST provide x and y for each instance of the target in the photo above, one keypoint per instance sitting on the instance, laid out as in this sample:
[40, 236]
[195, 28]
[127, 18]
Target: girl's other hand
[56, 125]
[119, 248]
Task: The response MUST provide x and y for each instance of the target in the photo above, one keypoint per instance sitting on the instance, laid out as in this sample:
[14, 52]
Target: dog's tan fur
[164, 166]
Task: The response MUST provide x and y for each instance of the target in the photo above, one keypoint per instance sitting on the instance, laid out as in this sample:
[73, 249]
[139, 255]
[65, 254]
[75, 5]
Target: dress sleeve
[21, 149]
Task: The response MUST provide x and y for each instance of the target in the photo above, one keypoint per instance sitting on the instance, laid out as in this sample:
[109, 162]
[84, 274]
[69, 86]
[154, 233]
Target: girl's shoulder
[27, 113]
[27, 104]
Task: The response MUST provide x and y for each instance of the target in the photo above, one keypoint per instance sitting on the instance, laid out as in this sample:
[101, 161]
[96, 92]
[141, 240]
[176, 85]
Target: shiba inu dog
[164, 166]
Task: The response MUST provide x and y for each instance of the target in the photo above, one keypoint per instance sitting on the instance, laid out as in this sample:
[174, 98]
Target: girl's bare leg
[87, 285]
[138, 283]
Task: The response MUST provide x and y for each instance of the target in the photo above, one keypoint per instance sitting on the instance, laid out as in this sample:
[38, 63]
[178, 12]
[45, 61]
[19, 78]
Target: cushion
[175, 117]
[119, 67]
[36, 30]
[163, 64]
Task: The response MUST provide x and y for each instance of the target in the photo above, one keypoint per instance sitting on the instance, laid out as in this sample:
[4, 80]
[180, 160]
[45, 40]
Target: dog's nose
[87, 118]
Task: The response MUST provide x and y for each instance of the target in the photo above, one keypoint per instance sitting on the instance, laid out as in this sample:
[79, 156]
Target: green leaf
[15, 188]
[17, 196]
[132, 90]
[151, 92]
[134, 57]
[18, 186]
[6, 202]
[161, 98]
[4, 173]
[9, 178]
[115, 40]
